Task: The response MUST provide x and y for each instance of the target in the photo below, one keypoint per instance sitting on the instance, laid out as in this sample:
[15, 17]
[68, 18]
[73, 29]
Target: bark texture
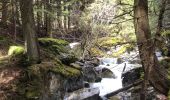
[154, 73]
[28, 27]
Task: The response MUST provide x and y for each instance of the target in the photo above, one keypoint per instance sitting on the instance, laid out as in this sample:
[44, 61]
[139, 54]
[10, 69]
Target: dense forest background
[103, 28]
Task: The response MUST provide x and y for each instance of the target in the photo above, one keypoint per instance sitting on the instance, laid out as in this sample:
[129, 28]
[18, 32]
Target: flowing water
[108, 85]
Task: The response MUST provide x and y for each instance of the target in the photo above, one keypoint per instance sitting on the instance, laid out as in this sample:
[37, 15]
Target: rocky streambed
[123, 79]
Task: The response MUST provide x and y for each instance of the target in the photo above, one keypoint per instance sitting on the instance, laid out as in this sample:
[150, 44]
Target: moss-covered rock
[67, 58]
[58, 48]
[50, 79]
[16, 50]
[108, 42]
[52, 41]
[55, 46]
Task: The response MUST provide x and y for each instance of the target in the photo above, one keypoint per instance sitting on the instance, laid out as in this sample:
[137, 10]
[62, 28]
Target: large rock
[59, 48]
[50, 81]
[131, 76]
[90, 74]
[107, 73]
[104, 72]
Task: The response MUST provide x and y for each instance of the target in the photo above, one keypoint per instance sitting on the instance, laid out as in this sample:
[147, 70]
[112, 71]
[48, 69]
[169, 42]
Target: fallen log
[123, 89]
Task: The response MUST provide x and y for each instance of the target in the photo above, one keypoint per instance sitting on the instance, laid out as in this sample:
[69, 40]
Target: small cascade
[108, 85]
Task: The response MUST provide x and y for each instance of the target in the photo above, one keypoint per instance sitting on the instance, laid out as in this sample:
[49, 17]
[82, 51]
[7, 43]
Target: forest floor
[9, 76]
[9, 71]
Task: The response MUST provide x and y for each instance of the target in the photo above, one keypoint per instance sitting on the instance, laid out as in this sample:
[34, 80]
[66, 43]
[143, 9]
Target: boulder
[104, 72]
[90, 74]
[59, 48]
[67, 58]
[131, 76]
[49, 81]
[107, 73]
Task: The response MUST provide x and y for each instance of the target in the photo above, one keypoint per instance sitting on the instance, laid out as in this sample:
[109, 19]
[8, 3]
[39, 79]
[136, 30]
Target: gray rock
[131, 76]
[107, 73]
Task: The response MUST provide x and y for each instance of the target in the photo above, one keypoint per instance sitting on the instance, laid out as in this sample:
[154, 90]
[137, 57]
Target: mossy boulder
[107, 42]
[58, 48]
[16, 50]
[49, 80]
[52, 41]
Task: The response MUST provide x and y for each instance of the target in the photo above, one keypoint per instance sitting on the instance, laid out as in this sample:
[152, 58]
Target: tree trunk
[59, 11]
[18, 13]
[166, 26]
[69, 17]
[155, 74]
[28, 27]
[4, 12]
[39, 17]
[49, 18]
[65, 16]
[13, 19]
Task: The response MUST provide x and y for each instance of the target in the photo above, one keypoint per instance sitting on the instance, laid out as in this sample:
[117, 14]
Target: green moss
[15, 50]
[96, 52]
[66, 71]
[119, 52]
[52, 41]
[56, 67]
[108, 41]
[54, 46]
[32, 84]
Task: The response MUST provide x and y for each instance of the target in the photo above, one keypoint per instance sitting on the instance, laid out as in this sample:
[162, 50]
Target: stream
[108, 85]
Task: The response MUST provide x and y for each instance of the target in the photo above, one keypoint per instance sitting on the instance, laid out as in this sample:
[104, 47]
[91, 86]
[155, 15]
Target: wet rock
[107, 73]
[86, 85]
[119, 60]
[131, 76]
[90, 74]
[104, 72]
[84, 94]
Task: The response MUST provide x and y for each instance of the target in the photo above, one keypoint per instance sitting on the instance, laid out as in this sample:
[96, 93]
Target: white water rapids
[108, 85]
